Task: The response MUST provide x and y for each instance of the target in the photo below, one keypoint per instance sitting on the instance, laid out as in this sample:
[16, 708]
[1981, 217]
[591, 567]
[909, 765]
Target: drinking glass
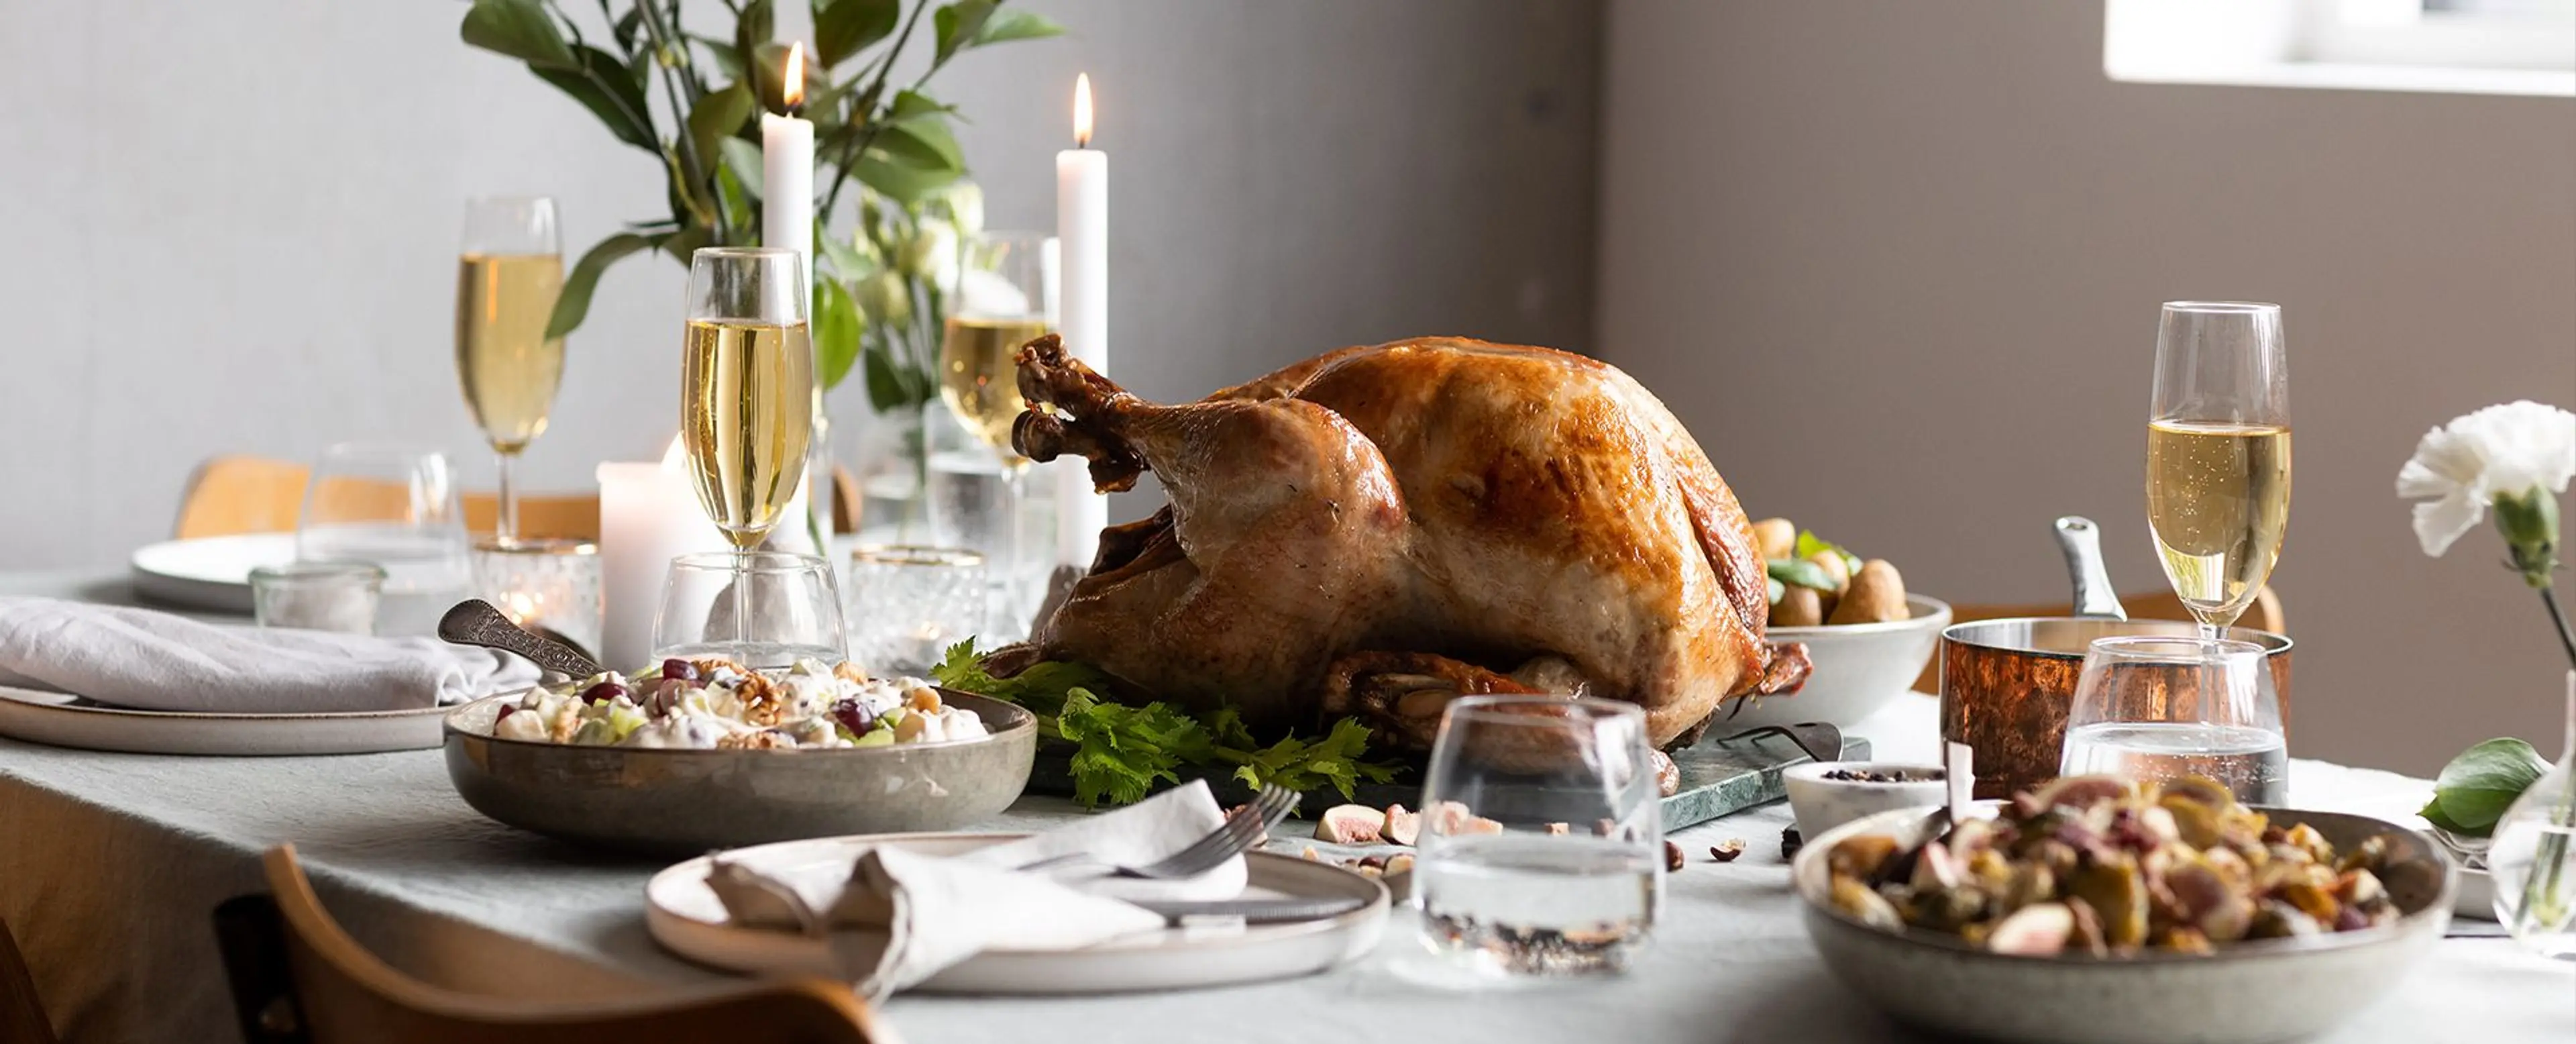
[2164, 707]
[394, 506]
[1541, 846]
[908, 604]
[999, 304]
[508, 273]
[318, 596]
[762, 609]
[2218, 454]
[549, 586]
[747, 391]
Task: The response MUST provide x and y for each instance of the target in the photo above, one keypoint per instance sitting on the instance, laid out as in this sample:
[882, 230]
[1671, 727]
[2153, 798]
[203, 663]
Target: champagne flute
[508, 274]
[2218, 454]
[746, 393]
[998, 303]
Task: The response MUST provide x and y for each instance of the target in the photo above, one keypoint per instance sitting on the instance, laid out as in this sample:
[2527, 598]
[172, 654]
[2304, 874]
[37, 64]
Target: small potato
[1877, 595]
[1777, 537]
[1840, 571]
[1801, 607]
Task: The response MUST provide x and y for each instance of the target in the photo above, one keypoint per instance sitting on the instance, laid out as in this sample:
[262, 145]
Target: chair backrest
[332, 991]
[229, 495]
[2264, 615]
[22, 1019]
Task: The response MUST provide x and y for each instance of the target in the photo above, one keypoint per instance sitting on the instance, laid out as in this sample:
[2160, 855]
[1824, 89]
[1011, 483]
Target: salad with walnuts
[715, 704]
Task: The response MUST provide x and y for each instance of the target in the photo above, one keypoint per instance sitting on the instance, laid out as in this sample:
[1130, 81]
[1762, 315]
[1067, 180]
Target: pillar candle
[648, 515]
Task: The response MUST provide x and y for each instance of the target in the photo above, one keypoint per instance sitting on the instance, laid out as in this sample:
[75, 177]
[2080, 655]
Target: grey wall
[233, 225]
[1898, 265]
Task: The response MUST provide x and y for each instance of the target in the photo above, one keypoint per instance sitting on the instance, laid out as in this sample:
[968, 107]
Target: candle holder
[907, 604]
[544, 585]
[318, 596]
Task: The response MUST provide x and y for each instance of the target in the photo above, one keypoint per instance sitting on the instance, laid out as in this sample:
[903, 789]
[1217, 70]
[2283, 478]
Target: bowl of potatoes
[1867, 636]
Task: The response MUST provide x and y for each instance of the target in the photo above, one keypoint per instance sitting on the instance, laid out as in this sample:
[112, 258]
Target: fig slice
[1350, 825]
[2037, 930]
[1403, 827]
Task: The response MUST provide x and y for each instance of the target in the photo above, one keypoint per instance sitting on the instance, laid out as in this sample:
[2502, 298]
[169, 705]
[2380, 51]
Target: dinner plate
[686, 918]
[208, 572]
[71, 721]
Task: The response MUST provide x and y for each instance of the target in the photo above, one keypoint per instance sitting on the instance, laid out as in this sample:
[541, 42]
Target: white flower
[2500, 450]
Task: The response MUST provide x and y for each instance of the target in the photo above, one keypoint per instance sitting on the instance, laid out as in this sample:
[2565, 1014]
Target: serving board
[1720, 777]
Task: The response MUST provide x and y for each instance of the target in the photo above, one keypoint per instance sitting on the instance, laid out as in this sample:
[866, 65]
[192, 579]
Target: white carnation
[2463, 466]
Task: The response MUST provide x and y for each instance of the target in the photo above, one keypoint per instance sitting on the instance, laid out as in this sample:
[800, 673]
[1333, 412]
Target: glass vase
[2533, 856]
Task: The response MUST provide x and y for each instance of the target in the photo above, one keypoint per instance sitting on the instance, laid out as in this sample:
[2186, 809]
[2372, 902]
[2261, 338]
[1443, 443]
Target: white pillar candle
[1082, 227]
[648, 515]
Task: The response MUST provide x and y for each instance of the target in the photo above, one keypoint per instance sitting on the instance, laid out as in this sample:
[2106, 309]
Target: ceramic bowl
[1859, 668]
[688, 801]
[2248, 992]
[1822, 804]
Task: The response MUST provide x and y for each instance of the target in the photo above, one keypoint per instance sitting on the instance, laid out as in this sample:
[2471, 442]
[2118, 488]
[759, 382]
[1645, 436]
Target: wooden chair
[22, 1019]
[297, 977]
[229, 495]
[2264, 615]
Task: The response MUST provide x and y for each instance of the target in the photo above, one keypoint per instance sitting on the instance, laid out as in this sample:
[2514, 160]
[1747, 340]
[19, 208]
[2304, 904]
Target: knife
[1253, 911]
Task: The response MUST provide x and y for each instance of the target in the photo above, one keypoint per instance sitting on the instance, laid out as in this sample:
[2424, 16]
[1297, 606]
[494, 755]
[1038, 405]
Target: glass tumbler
[790, 606]
[395, 506]
[317, 596]
[1541, 844]
[2162, 708]
[908, 604]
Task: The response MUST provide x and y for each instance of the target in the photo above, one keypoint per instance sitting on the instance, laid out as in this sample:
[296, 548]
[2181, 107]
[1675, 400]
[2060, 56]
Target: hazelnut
[1673, 856]
[1726, 851]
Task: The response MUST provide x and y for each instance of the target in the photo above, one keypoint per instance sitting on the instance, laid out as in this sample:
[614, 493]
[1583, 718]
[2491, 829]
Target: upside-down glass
[509, 271]
[762, 609]
[1541, 846]
[908, 604]
[999, 303]
[394, 506]
[2159, 707]
[2218, 454]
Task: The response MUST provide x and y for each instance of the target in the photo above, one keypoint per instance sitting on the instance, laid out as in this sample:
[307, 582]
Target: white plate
[70, 721]
[686, 918]
[210, 572]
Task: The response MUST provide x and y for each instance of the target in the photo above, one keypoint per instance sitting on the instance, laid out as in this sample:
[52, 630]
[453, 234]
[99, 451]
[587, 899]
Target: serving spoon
[476, 622]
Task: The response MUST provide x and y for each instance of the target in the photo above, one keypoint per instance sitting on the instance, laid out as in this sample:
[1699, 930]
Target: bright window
[2478, 46]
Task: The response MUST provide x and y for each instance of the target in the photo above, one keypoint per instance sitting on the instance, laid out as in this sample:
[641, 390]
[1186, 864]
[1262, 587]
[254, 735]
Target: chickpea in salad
[715, 704]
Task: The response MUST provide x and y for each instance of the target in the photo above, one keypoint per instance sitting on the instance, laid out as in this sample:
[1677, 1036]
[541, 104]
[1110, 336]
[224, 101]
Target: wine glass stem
[505, 513]
[741, 602]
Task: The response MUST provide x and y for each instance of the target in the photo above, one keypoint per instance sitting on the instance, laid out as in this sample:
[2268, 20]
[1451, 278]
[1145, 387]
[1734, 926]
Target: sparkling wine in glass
[746, 386]
[998, 304]
[2218, 454]
[508, 274]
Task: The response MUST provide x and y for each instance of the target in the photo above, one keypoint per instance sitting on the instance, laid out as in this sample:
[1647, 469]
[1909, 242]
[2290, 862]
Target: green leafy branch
[1121, 752]
[896, 144]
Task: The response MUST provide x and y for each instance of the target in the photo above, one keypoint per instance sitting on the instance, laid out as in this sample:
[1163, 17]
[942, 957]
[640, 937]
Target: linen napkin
[900, 917]
[155, 661]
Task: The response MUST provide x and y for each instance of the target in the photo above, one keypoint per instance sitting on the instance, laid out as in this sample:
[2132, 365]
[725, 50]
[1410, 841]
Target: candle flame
[1082, 111]
[792, 91]
[521, 608]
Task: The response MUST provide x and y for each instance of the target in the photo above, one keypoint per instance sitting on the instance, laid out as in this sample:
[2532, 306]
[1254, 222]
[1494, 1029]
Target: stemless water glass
[908, 604]
[2162, 707]
[2218, 454]
[509, 271]
[393, 506]
[1541, 848]
[317, 596]
[762, 609]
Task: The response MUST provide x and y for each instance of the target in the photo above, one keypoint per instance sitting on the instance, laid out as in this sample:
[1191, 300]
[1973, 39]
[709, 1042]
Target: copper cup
[2006, 686]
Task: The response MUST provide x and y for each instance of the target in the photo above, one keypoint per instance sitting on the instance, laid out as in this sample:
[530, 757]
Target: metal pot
[2006, 684]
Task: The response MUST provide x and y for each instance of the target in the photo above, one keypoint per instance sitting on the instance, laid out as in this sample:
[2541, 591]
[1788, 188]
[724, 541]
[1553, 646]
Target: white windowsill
[2426, 78]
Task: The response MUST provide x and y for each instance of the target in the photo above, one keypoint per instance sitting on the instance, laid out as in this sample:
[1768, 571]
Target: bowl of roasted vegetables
[2102, 909]
[1867, 636]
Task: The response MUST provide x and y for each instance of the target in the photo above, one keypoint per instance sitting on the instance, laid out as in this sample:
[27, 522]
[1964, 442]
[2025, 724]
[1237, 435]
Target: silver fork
[1241, 830]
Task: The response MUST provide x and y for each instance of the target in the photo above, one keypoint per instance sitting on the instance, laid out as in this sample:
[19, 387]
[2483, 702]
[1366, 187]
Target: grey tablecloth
[110, 863]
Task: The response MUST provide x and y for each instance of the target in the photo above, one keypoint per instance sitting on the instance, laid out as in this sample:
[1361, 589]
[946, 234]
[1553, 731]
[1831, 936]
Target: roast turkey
[1379, 529]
